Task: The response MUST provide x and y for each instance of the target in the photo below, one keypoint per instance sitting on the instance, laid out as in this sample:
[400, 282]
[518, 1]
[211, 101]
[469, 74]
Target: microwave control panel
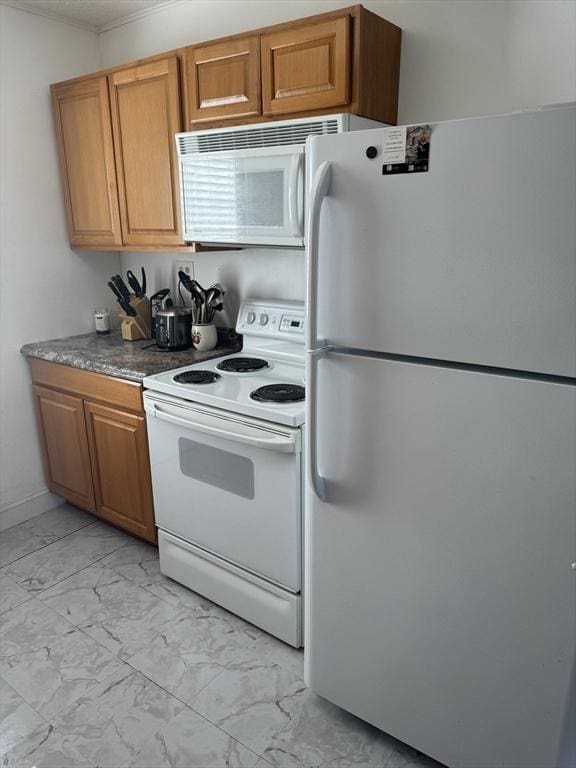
[273, 319]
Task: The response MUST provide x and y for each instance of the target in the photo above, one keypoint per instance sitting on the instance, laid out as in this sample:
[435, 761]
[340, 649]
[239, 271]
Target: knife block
[134, 328]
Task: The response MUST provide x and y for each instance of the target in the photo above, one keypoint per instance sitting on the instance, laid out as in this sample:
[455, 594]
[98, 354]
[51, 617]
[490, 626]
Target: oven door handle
[279, 442]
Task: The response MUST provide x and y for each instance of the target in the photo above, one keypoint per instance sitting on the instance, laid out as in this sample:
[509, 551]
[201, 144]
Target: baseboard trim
[27, 508]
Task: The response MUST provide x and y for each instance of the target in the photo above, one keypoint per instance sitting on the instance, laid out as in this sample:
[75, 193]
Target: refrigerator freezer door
[473, 261]
[440, 589]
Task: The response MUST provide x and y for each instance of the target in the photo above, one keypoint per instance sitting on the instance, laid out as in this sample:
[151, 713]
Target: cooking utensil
[133, 283]
[125, 304]
[201, 301]
[138, 286]
[122, 287]
[213, 309]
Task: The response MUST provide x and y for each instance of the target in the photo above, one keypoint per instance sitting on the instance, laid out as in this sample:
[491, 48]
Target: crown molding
[47, 15]
[138, 15]
[120, 22]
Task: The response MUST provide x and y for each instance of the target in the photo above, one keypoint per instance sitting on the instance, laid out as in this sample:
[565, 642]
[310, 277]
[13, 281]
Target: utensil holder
[204, 336]
[134, 328]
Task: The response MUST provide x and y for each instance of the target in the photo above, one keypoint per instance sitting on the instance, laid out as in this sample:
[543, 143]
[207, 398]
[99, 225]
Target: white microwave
[247, 184]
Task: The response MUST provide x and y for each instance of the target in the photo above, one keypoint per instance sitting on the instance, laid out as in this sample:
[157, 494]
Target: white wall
[541, 55]
[47, 290]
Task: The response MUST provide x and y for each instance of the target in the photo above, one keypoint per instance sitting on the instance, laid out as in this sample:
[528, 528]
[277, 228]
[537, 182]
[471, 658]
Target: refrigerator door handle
[320, 188]
[317, 481]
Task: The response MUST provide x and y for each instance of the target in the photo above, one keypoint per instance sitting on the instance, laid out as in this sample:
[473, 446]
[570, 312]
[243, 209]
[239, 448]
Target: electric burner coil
[196, 377]
[279, 393]
[242, 364]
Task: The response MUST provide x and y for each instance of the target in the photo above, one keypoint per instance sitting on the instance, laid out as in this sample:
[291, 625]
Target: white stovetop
[231, 392]
[284, 351]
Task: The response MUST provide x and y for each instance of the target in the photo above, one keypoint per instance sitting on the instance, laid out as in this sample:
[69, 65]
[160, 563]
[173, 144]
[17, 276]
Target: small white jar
[102, 320]
[204, 336]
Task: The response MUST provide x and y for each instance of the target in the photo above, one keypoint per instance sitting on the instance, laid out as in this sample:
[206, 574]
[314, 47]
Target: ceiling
[96, 15]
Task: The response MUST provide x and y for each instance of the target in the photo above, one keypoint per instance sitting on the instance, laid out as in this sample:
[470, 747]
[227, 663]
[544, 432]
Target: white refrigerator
[441, 435]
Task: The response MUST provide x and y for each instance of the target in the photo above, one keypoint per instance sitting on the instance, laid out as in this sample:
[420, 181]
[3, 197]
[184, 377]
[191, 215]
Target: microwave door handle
[294, 209]
[278, 443]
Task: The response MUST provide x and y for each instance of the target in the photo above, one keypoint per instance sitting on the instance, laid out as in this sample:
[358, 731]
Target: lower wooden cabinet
[120, 468]
[94, 444]
[65, 446]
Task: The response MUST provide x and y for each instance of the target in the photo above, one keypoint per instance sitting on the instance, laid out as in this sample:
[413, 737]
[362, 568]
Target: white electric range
[225, 439]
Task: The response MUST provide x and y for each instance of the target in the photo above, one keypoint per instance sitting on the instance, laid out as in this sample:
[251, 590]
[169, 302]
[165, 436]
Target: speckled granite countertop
[131, 360]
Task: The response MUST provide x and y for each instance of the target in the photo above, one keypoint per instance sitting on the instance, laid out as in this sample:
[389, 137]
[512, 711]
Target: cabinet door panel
[121, 469]
[224, 80]
[64, 446]
[306, 67]
[84, 134]
[145, 117]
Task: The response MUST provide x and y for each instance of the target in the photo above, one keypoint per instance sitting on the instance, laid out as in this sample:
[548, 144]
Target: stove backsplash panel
[270, 273]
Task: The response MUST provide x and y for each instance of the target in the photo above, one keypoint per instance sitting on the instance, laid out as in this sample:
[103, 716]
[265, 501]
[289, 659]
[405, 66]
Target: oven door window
[221, 469]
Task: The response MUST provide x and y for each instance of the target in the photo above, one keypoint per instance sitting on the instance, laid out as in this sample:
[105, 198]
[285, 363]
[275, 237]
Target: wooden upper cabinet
[84, 136]
[64, 446]
[121, 469]
[224, 80]
[145, 116]
[306, 67]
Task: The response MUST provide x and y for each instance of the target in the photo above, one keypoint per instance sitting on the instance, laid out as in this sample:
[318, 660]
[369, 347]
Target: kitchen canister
[204, 336]
[102, 320]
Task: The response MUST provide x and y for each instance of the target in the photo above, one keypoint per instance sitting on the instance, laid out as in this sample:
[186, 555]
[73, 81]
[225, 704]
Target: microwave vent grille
[273, 135]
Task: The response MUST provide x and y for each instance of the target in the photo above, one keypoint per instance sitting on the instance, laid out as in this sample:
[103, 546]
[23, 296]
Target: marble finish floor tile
[23, 539]
[40, 531]
[44, 748]
[29, 627]
[17, 718]
[268, 708]
[115, 612]
[108, 726]
[62, 671]
[66, 556]
[192, 650]
[190, 741]
[11, 594]
[63, 520]
[140, 563]
[136, 561]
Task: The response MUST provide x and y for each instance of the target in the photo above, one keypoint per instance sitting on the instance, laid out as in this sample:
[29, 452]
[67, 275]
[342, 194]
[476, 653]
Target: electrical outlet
[182, 266]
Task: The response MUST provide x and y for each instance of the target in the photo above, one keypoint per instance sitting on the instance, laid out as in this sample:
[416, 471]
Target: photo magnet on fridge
[406, 150]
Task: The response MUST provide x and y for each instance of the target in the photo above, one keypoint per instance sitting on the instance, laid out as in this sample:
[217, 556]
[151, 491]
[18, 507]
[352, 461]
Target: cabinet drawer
[86, 384]
[306, 67]
[223, 80]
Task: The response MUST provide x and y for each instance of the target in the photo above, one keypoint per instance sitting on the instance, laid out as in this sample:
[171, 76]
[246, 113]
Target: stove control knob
[263, 318]
[250, 317]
